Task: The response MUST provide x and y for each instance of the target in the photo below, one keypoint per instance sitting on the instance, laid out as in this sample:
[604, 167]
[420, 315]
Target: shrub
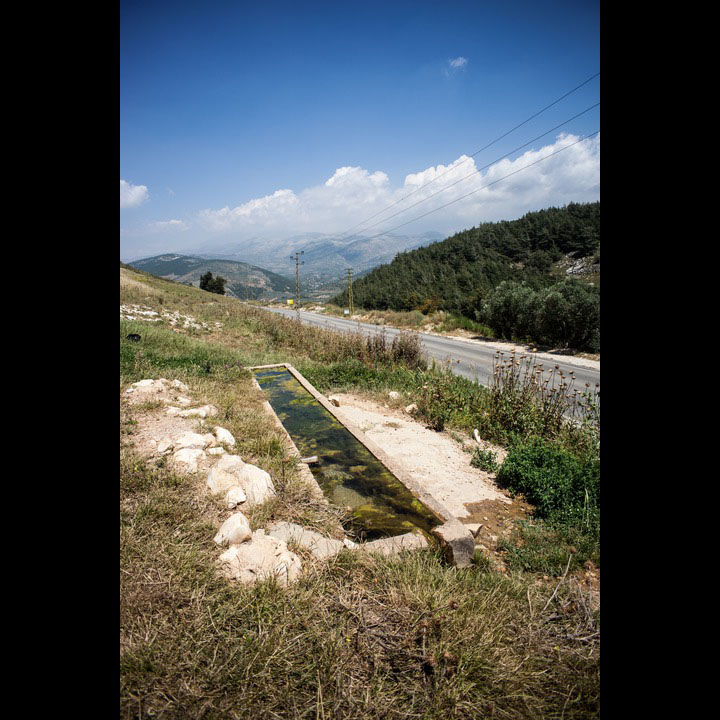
[564, 488]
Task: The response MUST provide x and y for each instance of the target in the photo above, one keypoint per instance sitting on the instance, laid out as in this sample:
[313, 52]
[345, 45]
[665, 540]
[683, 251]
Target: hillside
[522, 278]
[243, 280]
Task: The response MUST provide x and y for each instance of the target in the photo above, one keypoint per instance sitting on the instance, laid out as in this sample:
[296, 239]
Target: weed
[564, 488]
[485, 460]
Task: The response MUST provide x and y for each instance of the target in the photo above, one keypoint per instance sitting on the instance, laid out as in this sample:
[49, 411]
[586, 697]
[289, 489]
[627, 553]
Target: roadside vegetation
[357, 636]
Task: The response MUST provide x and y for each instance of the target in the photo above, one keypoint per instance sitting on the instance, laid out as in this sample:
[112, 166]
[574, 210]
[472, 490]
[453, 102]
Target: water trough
[385, 501]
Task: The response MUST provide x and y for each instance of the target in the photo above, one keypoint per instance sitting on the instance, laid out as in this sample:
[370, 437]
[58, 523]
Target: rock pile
[174, 319]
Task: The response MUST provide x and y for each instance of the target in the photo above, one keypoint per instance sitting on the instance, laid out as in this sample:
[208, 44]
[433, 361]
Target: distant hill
[243, 280]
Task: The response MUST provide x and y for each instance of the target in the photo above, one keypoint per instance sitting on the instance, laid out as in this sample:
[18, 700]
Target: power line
[524, 122]
[475, 172]
[482, 187]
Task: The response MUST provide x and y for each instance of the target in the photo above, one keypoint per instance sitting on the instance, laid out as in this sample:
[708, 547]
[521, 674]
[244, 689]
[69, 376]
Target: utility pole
[350, 297]
[297, 278]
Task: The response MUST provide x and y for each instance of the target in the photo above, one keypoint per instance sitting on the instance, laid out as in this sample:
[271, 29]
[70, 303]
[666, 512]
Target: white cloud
[458, 62]
[132, 195]
[353, 194]
[162, 225]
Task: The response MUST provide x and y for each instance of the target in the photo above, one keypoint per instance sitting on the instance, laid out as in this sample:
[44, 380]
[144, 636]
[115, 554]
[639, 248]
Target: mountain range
[326, 256]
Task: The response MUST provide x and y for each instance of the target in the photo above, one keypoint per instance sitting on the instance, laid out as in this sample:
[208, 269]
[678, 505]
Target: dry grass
[357, 637]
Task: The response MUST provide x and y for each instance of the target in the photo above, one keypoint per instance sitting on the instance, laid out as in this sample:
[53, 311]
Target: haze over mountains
[326, 256]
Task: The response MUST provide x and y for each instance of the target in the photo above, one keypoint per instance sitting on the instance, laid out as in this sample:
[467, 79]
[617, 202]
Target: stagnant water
[348, 473]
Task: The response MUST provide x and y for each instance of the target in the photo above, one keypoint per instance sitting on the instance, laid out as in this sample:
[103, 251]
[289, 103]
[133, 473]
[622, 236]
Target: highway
[470, 358]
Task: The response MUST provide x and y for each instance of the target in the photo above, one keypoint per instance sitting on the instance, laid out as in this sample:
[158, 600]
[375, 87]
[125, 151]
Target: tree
[211, 284]
[205, 280]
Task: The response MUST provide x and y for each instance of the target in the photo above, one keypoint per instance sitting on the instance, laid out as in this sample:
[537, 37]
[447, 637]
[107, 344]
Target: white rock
[394, 545]
[203, 412]
[319, 545]
[216, 451]
[260, 558]
[188, 458]
[412, 408]
[235, 530]
[183, 400]
[394, 395]
[231, 463]
[256, 483]
[349, 544]
[224, 436]
[145, 383]
[164, 445]
[191, 440]
[180, 386]
[235, 496]
[210, 439]
[220, 481]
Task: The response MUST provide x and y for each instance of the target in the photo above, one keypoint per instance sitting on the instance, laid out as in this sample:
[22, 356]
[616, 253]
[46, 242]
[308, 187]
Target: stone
[219, 481]
[395, 545]
[235, 530]
[231, 463]
[261, 558]
[224, 436]
[394, 395]
[188, 458]
[146, 385]
[180, 386]
[334, 401]
[256, 483]
[411, 409]
[182, 400]
[319, 545]
[164, 445]
[457, 541]
[216, 451]
[190, 440]
[210, 439]
[203, 412]
[235, 496]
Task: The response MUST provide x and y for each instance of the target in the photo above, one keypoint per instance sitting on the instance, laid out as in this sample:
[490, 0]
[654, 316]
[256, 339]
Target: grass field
[358, 636]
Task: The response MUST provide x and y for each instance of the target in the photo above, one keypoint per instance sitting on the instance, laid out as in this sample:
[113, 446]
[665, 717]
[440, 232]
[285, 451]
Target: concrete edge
[303, 468]
[455, 537]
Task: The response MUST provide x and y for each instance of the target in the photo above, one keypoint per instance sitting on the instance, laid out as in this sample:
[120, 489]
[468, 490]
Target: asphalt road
[471, 358]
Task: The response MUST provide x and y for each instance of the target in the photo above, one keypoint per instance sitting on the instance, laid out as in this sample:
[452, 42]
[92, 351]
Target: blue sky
[223, 105]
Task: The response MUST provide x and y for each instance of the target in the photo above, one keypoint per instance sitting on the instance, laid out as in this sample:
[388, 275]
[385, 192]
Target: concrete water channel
[382, 499]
